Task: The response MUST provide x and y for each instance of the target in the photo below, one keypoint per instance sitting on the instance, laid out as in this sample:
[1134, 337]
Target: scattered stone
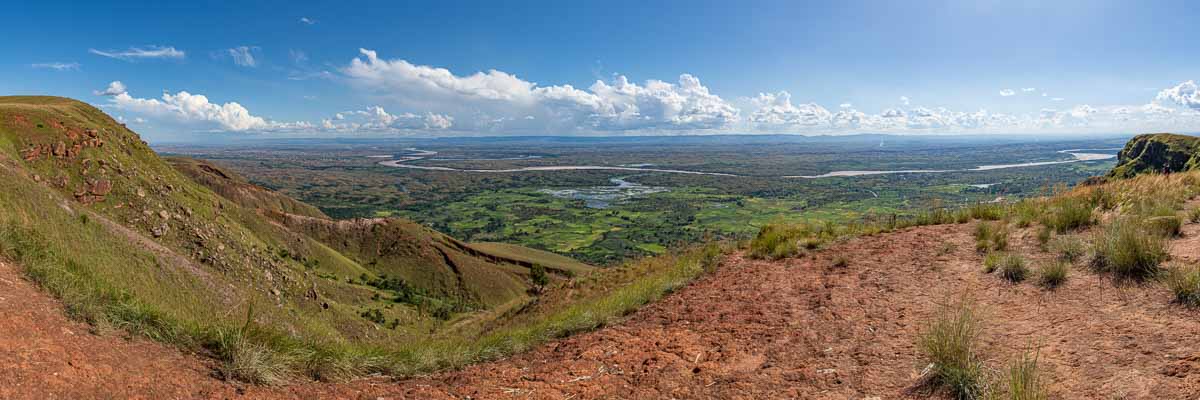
[160, 230]
[141, 192]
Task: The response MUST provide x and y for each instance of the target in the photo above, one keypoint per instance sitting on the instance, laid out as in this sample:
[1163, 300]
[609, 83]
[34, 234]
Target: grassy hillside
[191, 254]
[237, 189]
[1158, 152]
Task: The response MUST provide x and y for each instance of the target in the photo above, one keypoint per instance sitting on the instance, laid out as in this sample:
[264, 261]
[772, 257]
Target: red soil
[798, 328]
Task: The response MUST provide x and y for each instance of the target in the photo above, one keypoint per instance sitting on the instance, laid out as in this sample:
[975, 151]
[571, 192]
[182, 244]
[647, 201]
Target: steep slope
[1157, 152]
[203, 259]
[237, 189]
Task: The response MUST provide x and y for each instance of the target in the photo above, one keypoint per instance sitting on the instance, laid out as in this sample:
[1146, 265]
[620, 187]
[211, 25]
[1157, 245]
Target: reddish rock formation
[101, 187]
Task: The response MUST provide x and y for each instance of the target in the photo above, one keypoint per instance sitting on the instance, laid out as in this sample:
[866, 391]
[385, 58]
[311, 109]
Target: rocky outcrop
[1157, 153]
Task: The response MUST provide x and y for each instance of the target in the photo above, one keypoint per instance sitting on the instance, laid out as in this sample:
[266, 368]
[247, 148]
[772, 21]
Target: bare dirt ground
[798, 328]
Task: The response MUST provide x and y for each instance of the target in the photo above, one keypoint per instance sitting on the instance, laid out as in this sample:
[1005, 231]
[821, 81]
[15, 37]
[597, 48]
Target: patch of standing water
[603, 196]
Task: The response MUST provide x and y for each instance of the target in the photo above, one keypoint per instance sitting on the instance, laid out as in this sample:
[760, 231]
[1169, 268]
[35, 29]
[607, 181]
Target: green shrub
[1165, 226]
[538, 275]
[1184, 282]
[1053, 274]
[1127, 249]
[1013, 269]
[949, 343]
[1024, 380]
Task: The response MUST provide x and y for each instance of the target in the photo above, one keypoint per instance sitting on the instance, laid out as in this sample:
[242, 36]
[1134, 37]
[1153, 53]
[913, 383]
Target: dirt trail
[798, 328]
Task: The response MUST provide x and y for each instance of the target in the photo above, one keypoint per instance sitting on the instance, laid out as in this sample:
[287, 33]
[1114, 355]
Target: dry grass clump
[841, 261]
[1023, 379]
[1013, 268]
[776, 242]
[1068, 248]
[1068, 213]
[1126, 248]
[991, 262]
[950, 344]
[1043, 237]
[1053, 274]
[1193, 215]
[991, 236]
[1168, 226]
[1184, 282]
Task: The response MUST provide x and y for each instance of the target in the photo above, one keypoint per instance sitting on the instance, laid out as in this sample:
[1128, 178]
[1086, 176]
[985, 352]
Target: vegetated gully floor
[797, 328]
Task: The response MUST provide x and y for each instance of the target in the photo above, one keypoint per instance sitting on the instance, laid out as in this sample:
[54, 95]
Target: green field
[530, 209]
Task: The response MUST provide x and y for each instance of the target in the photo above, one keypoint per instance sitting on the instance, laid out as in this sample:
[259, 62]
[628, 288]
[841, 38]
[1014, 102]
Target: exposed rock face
[1159, 152]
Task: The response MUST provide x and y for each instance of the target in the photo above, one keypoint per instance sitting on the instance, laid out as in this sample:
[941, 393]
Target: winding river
[418, 154]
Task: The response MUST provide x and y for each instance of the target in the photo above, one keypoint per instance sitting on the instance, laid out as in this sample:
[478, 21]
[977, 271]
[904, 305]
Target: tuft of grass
[776, 242]
[1024, 379]
[1068, 213]
[1126, 249]
[1184, 282]
[949, 343]
[1068, 248]
[247, 360]
[1053, 274]
[1043, 237]
[1013, 268]
[991, 236]
[1193, 215]
[841, 261]
[992, 261]
[1167, 226]
[946, 248]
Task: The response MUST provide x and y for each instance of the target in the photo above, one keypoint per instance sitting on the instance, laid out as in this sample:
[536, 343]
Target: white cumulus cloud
[1007, 92]
[1186, 94]
[376, 119]
[777, 110]
[617, 105]
[114, 88]
[187, 107]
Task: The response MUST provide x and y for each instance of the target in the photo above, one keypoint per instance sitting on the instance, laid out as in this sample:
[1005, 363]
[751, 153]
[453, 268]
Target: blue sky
[614, 68]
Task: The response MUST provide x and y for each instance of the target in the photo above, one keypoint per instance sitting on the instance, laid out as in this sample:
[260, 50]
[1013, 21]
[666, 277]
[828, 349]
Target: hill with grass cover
[1157, 152]
[189, 253]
